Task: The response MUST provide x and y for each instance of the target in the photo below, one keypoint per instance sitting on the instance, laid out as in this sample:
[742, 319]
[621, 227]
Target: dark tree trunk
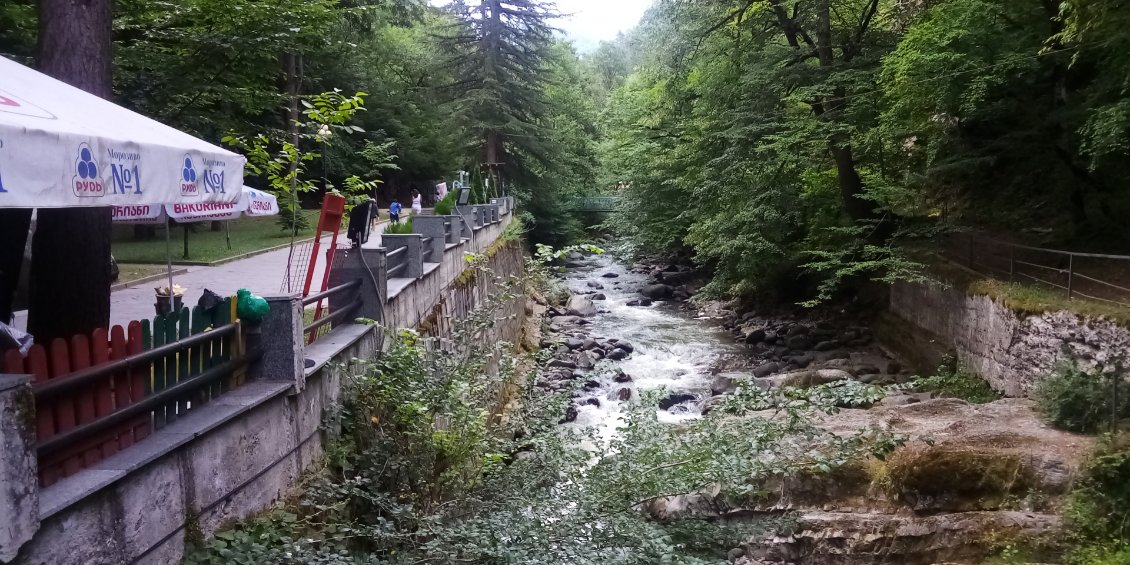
[14, 224]
[70, 269]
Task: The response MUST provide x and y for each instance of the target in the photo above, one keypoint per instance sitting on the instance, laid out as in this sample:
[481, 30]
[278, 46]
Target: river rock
[625, 345]
[806, 379]
[574, 343]
[624, 394]
[595, 285]
[617, 354]
[581, 306]
[723, 384]
[562, 349]
[799, 342]
[562, 363]
[570, 415]
[585, 360]
[591, 402]
[657, 291]
[826, 345]
[766, 369]
[565, 320]
[894, 367]
[753, 335]
[865, 370]
[592, 384]
[610, 276]
[801, 361]
[622, 377]
[673, 399]
[588, 343]
[598, 296]
[796, 330]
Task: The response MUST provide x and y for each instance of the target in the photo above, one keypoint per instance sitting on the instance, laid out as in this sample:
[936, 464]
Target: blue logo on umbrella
[189, 172]
[86, 167]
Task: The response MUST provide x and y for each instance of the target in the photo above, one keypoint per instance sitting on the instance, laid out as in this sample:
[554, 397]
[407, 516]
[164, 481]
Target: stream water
[673, 350]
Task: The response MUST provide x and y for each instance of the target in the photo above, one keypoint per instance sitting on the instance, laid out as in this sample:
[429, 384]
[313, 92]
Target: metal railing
[401, 255]
[1092, 276]
[186, 392]
[313, 329]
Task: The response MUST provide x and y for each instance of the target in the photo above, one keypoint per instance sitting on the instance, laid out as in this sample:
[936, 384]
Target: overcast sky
[591, 21]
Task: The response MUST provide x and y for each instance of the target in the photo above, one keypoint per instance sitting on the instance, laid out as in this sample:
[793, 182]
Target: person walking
[394, 211]
[417, 205]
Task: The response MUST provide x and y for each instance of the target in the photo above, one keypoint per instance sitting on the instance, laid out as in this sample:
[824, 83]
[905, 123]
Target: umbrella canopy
[61, 147]
[251, 203]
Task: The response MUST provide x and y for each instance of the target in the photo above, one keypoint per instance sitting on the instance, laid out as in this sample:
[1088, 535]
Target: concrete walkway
[261, 274]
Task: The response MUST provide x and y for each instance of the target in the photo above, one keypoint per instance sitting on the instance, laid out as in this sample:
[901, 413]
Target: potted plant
[164, 304]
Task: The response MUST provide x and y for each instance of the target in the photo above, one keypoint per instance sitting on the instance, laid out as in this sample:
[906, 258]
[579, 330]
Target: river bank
[964, 481]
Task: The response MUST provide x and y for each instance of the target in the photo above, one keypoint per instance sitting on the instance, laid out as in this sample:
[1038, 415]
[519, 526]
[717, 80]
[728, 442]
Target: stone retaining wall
[1012, 351]
[244, 451]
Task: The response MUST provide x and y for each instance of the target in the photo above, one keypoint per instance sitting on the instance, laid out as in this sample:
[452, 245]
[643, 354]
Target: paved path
[261, 274]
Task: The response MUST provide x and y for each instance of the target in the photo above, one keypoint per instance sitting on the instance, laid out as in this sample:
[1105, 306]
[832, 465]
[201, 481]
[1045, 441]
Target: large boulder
[806, 379]
[674, 399]
[657, 291]
[580, 306]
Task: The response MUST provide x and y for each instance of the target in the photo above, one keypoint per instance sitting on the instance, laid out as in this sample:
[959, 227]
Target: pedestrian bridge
[594, 204]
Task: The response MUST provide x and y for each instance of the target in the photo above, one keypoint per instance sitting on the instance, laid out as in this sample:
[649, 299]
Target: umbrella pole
[169, 261]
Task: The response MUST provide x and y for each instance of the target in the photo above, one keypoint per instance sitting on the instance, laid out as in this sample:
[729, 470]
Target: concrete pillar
[454, 229]
[415, 254]
[349, 267]
[433, 227]
[280, 337]
[19, 469]
[471, 216]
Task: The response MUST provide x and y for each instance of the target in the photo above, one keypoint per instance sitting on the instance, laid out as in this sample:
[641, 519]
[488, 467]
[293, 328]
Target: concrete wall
[243, 452]
[1012, 351]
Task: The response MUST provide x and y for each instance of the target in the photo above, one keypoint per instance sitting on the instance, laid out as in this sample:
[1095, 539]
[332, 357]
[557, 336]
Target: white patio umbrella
[62, 147]
[251, 203]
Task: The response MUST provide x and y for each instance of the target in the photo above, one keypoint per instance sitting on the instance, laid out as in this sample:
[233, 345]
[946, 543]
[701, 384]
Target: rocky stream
[971, 478]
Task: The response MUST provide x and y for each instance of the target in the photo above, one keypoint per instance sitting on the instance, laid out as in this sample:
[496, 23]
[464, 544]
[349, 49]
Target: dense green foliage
[1099, 507]
[789, 141]
[424, 468]
[952, 381]
[1077, 400]
[437, 84]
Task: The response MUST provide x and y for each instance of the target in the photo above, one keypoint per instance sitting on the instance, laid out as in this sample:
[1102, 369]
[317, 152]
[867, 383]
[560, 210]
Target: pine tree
[500, 50]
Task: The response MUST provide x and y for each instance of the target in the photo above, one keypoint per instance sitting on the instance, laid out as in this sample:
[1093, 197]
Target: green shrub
[445, 206]
[954, 382]
[1076, 400]
[401, 228]
[1098, 516]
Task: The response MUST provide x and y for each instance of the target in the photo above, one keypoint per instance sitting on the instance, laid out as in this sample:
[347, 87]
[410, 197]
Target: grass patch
[952, 381]
[130, 272]
[204, 245]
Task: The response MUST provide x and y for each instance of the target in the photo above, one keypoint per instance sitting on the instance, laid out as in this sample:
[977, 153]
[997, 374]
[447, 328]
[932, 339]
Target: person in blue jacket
[394, 212]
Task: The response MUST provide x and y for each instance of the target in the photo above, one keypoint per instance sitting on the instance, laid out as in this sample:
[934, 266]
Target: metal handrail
[396, 252]
[973, 244]
[356, 283]
[396, 269]
[79, 379]
[81, 432]
[427, 240]
[333, 316]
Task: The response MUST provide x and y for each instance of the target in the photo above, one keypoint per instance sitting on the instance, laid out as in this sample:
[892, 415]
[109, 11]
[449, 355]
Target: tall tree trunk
[70, 267]
[14, 223]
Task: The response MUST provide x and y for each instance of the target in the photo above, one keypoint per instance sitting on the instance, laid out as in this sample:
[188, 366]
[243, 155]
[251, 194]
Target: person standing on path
[394, 211]
[417, 206]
